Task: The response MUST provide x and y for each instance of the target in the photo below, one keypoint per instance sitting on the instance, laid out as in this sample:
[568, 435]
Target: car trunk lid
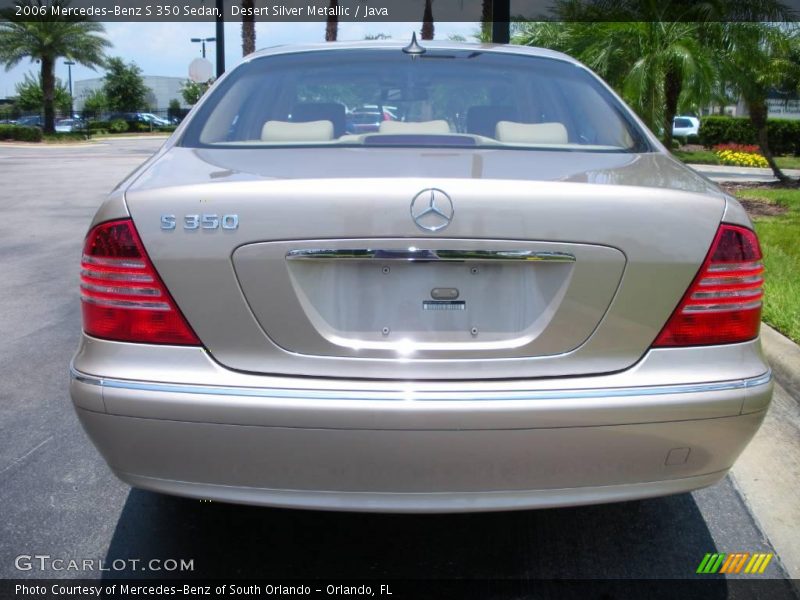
[334, 277]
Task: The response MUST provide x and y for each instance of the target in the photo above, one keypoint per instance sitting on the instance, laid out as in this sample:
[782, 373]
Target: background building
[779, 106]
[162, 90]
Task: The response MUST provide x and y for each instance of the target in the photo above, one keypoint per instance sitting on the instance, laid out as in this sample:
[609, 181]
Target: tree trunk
[248, 29]
[427, 21]
[486, 20]
[48, 94]
[758, 117]
[672, 91]
[332, 26]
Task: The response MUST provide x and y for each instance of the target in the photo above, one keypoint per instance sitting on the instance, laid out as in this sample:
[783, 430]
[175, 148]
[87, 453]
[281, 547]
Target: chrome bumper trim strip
[410, 393]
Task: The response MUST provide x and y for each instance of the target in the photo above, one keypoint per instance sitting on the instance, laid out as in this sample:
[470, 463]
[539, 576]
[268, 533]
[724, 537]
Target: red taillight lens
[723, 304]
[122, 296]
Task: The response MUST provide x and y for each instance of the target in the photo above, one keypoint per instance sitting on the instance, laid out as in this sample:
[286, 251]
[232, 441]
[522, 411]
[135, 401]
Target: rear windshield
[388, 98]
[682, 123]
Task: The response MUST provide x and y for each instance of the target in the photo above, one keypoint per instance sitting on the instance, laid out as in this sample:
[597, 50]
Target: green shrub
[168, 128]
[66, 136]
[118, 126]
[723, 130]
[784, 134]
[21, 133]
[96, 126]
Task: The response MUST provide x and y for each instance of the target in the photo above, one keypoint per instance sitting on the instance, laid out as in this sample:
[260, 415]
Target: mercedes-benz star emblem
[432, 209]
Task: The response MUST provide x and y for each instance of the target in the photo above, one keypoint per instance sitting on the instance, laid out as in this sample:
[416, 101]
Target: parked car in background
[31, 121]
[153, 119]
[139, 117]
[70, 125]
[364, 121]
[514, 297]
[684, 126]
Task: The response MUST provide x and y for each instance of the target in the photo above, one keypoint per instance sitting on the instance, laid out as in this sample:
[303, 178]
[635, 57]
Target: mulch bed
[754, 207]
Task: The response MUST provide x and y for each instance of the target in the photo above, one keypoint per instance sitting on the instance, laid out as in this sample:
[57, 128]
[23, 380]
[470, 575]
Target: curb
[37, 145]
[81, 143]
[731, 170]
[783, 356]
[122, 136]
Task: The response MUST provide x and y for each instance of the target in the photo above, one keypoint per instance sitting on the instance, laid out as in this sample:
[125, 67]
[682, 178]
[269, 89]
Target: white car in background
[683, 126]
[154, 120]
[69, 125]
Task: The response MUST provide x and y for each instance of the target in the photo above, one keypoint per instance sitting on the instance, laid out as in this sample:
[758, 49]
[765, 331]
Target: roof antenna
[414, 48]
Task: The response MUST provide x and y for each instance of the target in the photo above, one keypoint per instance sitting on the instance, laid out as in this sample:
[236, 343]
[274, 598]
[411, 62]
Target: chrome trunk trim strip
[414, 254]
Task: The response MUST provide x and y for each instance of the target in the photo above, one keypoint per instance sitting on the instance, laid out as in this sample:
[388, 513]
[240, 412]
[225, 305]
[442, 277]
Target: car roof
[400, 44]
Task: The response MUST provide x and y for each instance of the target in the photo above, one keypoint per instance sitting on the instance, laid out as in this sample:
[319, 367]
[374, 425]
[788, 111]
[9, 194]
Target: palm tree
[672, 65]
[332, 24]
[485, 34]
[248, 28]
[758, 58]
[427, 31]
[655, 65]
[46, 39]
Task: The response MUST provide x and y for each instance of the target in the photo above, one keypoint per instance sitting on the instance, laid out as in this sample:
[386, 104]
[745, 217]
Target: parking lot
[57, 496]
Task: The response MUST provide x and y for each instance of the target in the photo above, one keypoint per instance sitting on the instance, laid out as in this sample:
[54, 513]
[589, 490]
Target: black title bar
[403, 10]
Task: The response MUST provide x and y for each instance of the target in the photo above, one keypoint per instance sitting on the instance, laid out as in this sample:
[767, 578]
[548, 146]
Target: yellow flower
[743, 159]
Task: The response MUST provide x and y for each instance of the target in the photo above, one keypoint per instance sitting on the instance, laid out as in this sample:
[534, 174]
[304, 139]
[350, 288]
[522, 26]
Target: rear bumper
[411, 450]
[428, 502]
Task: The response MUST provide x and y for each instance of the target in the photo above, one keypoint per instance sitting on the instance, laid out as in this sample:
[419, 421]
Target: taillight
[723, 304]
[122, 296]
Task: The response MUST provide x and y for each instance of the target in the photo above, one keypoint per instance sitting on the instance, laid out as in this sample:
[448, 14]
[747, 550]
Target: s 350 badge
[201, 221]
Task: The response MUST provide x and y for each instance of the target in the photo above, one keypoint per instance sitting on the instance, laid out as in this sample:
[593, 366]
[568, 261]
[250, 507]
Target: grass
[131, 134]
[788, 162]
[780, 243]
[707, 157]
[63, 138]
[77, 137]
[697, 157]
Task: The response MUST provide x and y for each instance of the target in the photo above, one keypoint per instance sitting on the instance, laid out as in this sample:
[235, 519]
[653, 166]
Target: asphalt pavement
[720, 173]
[57, 497]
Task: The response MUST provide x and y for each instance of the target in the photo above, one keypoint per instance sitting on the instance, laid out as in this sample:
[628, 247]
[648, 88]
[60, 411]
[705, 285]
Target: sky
[166, 49]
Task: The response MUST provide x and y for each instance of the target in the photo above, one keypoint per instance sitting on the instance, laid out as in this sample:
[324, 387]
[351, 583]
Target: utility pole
[69, 64]
[203, 41]
[501, 21]
[220, 38]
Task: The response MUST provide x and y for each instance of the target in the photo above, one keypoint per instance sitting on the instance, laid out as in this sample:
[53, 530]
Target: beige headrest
[285, 131]
[422, 127]
[531, 133]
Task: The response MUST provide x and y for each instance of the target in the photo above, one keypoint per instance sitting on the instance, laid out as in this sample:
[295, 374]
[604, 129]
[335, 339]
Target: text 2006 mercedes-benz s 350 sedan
[506, 294]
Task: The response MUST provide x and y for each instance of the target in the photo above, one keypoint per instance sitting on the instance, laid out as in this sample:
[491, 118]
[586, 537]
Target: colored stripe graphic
[733, 563]
[711, 563]
[758, 564]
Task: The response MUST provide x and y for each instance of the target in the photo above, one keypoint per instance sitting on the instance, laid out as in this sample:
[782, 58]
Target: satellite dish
[200, 70]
